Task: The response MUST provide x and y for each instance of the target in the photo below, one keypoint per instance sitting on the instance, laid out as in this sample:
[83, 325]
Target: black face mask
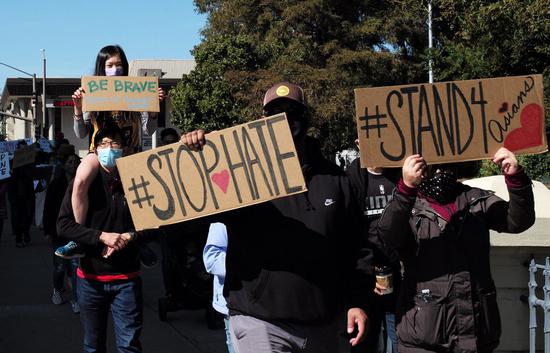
[442, 187]
[296, 116]
[298, 127]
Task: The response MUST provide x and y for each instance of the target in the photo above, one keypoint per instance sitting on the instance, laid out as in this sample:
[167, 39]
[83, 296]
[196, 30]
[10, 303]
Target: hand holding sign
[507, 161]
[413, 168]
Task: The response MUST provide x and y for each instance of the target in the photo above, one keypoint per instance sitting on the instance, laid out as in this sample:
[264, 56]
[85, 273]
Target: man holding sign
[108, 274]
[448, 300]
[291, 261]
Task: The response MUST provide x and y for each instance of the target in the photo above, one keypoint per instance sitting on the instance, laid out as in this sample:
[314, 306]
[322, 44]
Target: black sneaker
[19, 244]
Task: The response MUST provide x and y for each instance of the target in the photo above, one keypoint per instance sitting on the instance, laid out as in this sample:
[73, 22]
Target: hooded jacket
[297, 258]
[448, 299]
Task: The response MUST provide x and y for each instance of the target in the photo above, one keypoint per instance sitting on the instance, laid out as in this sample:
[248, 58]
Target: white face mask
[113, 71]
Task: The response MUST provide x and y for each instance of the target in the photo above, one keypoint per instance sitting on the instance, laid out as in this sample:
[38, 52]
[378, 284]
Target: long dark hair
[107, 52]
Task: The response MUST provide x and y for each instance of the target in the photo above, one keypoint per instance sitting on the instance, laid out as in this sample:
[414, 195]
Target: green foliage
[329, 47]
[492, 38]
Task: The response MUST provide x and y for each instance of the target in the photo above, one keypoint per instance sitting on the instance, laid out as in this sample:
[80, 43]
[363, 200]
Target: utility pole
[43, 91]
[430, 43]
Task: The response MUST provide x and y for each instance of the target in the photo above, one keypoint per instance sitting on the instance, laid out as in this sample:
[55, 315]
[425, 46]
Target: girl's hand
[507, 161]
[161, 94]
[77, 100]
[413, 168]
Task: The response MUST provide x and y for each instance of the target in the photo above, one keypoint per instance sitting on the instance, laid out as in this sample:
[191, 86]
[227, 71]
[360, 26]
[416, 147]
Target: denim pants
[125, 301]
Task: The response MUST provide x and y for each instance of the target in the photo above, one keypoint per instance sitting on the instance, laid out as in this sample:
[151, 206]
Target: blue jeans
[390, 329]
[125, 301]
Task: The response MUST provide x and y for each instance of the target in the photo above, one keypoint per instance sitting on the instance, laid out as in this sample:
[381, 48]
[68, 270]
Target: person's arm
[82, 125]
[393, 225]
[215, 250]
[518, 214]
[69, 229]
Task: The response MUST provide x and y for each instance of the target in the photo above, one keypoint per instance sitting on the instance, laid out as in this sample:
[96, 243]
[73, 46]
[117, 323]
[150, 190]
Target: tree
[329, 47]
[488, 38]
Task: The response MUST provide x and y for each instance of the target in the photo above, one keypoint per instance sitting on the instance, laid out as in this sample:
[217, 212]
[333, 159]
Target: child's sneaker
[71, 250]
[57, 298]
[75, 307]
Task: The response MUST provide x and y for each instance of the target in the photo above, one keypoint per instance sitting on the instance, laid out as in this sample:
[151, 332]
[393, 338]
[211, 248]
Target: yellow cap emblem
[282, 91]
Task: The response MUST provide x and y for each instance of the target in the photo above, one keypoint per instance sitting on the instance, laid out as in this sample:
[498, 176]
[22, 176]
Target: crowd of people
[401, 251]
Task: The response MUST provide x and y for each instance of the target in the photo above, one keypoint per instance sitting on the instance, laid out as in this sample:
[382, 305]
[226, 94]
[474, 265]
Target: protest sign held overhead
[120, 93]
[239, 166]
[450, 121]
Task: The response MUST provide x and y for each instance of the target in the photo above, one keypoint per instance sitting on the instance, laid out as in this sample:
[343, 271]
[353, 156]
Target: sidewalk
[30, 323]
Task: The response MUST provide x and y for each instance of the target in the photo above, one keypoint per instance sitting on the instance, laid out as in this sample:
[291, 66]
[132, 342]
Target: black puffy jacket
[448, 298]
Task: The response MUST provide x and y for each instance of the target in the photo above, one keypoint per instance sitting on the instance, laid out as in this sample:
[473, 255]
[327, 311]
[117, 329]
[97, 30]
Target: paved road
[30, 323]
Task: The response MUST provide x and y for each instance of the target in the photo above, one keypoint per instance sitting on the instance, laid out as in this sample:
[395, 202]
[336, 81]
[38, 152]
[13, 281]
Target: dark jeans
[60, 267]
[380, 316]
[125, 301]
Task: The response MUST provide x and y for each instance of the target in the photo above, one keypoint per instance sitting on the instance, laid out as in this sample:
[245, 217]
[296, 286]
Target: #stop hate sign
[240, 166]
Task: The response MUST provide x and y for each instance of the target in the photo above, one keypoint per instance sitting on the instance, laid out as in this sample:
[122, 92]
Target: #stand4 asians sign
[450, 121]
[239, 166]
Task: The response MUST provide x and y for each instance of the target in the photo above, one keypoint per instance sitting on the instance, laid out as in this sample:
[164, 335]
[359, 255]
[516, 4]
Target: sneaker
[75, 307]
[147, 257]
[19, 244]
[57, 298]
[71, 250]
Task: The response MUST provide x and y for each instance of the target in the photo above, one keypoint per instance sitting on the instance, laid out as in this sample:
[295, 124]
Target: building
[17, 99]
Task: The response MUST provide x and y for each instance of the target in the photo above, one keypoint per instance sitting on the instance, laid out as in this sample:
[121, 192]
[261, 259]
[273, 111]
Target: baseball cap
[284, 90]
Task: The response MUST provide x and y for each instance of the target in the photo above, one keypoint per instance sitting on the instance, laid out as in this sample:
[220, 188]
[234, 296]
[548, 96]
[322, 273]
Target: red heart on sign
[529, 134]
[221, 179]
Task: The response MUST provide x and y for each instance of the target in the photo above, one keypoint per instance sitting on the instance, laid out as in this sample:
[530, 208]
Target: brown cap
[284, 90]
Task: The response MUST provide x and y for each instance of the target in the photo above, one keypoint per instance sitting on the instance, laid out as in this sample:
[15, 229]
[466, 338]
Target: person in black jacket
[108, 274]
[374, 188]
[54, 198]
[440, 228]
[292, 262]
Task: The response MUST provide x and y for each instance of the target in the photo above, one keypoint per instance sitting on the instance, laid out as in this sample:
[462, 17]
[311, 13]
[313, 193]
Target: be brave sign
[240, 166]
[450, 121]
[120, 93]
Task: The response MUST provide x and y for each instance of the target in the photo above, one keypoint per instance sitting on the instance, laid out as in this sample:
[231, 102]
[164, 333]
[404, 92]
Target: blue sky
[72, 32]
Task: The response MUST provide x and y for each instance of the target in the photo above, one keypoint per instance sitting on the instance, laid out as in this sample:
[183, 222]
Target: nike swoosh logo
[328, 202]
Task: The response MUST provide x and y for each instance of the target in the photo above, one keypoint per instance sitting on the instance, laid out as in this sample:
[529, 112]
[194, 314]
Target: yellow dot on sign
[282, 91]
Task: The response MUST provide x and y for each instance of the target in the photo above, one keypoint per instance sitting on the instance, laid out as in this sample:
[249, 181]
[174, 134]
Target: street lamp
[34, 96]
[43, 91]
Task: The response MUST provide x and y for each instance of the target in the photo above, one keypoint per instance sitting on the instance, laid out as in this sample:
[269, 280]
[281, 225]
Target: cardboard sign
[240, 166]
[24, 155]
[11, 146]
[4, 165]
[450, 121]
[120, 93]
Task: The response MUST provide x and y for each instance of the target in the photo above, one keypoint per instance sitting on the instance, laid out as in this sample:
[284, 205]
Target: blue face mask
[113, 71]
[108, 156]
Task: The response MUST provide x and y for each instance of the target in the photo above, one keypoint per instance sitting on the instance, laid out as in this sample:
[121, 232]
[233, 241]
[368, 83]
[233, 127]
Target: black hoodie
[297, 258]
